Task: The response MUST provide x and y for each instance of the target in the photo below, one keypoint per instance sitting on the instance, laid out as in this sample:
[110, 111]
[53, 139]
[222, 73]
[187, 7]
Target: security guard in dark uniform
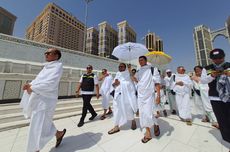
[87, 83]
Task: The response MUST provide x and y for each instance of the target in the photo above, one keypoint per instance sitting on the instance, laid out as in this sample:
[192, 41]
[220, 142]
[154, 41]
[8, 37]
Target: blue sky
[172, 20]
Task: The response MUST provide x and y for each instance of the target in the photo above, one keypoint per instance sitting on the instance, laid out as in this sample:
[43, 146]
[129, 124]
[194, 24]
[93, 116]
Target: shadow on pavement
[165, 127]
[127, 126]
[217, 135]
[79, 142]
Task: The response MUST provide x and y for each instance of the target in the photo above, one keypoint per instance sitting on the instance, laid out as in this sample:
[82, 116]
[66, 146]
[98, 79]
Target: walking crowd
[141, 93]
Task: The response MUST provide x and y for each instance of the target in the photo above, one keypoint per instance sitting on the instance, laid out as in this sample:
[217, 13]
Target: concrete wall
[25, 50]
[21, 60]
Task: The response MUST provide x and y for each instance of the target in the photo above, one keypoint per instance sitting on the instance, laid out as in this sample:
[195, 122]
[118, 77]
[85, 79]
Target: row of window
[66, 17]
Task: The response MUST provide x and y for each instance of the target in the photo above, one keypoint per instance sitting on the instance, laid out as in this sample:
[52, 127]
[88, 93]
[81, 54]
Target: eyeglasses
[88, 67]
[121, 66]
[48, 53]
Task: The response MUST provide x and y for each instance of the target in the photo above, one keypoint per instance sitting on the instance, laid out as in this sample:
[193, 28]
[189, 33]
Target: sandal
[205, 119]
[109, 113]
[189, 123]
[134, 126]
[59, 140]
[112, 131]
[216, 125]
[146, 139]
[156, 130]
[102, 117]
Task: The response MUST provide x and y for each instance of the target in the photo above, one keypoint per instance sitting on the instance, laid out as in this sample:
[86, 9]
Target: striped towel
[223, 88]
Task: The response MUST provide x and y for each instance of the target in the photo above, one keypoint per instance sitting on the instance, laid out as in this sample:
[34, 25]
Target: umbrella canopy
[158, 58]
[129, 51]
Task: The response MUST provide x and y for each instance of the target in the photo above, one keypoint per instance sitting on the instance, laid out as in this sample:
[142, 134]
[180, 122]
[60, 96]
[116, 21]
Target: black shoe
[173, 112]
[93, 116]
[156, 130]
[80, 124]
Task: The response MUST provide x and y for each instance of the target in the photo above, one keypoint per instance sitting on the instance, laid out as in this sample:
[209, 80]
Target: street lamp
[85, 29]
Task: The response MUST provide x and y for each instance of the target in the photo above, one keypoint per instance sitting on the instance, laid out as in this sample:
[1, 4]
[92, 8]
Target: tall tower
[125, 33]
[227, 27]
[92, 41]
[7, 21]
[57, 27]
[203, 44]
[107, 39]
[153, 42]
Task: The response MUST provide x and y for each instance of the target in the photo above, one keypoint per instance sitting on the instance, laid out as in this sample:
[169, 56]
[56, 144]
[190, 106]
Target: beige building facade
[153, 42]
[92, 41]
[57, 27]
[7, 21]
[108, 39]
[203, 44]
[125, 33]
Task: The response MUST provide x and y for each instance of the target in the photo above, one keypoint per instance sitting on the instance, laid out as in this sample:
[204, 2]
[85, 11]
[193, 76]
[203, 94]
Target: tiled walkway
[175, 136]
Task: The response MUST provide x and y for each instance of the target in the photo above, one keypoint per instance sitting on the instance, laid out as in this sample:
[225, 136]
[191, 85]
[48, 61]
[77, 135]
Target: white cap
[168, 70]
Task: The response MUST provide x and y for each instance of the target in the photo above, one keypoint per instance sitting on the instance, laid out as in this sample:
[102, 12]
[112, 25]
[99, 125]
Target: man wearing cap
[169, 92]
[213, 74]
[87, 83]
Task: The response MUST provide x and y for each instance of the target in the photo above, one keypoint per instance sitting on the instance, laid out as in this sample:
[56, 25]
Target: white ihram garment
[203, 100]
[105, 91]
[40, 105]
[146, 93]
[124, 102]
[183, 95]
[170, 97]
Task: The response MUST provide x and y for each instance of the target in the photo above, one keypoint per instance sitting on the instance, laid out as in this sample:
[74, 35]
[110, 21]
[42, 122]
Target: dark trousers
[222, 112]
[87, 106]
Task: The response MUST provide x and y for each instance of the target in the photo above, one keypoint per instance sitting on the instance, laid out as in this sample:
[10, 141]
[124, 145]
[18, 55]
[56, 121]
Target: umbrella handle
[129, 54]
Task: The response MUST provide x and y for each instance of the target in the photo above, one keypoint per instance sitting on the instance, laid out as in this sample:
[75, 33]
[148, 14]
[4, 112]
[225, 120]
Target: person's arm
[130, 69]
[78, 87]
[102, 77]
[157, 80]
[205, 79]
[97, 86]
[134, 79]
[97, 91]
[158, 98]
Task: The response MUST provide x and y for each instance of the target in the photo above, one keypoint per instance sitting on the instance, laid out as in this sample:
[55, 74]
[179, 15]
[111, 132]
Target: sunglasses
[48, 53]
[88, 67]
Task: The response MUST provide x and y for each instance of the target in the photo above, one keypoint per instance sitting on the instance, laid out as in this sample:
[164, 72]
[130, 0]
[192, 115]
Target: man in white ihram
[147, 79]
[105, 92]
[169, 92]
[182, 86]
[124, 101]
[39, 103]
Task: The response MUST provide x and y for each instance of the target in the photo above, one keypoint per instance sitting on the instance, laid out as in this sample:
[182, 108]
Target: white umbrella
[129, 51]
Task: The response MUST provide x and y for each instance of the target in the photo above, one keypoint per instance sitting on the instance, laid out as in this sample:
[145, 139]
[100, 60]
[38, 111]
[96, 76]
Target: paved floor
[175, 136]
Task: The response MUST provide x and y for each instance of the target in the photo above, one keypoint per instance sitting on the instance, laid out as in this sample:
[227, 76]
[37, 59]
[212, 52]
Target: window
[40, 26]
